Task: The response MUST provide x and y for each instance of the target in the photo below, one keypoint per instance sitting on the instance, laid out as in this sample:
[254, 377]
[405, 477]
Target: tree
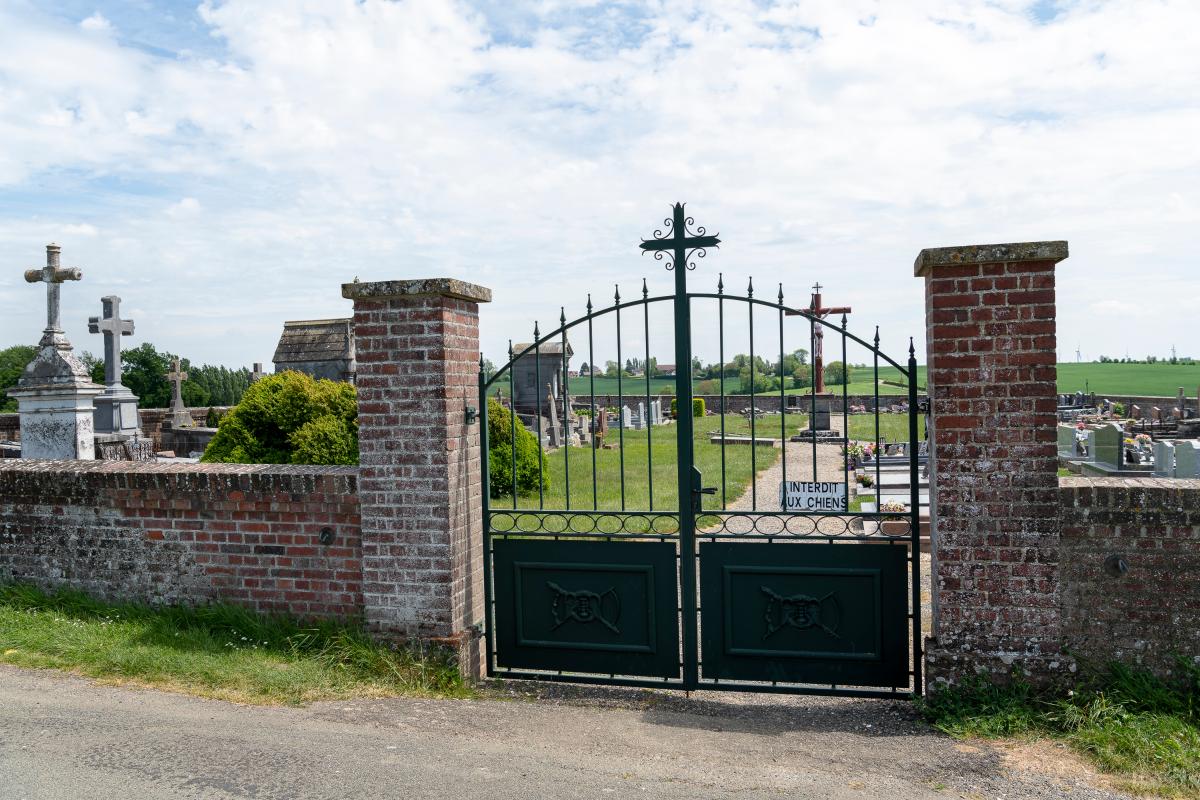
[289, 418]
[489, 369]
[501, 445]
[12, 363]
[837, 373]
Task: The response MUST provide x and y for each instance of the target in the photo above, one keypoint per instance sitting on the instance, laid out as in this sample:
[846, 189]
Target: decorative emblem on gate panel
[585, 607]
[800, 611]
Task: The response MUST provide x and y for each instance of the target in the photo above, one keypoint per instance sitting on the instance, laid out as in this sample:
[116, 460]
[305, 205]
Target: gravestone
[1085, 446]
[1187, 458]
[639, 419]
[1105, 447]
[1164, 460]
[116, 410]
[1066, 441]
[554, 432]
[626, 417]
[1155, 414]
[1135, 412]
[55, 393]
[179, 417]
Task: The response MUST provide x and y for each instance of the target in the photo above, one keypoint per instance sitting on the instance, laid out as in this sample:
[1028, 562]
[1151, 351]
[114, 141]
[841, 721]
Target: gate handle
[705, 490]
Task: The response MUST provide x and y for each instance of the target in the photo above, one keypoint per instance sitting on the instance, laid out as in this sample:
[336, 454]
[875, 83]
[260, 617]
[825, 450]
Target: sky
[227, 165]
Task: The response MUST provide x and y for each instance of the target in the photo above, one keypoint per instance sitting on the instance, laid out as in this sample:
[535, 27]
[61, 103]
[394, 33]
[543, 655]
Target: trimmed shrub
[289, 418]
[698, 407]
[500, 454]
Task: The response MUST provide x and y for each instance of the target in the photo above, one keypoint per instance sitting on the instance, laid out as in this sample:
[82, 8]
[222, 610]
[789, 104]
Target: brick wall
[150, 419]
[10, 427]
[1152, 611]
[186, 533]
[990, 313]
[417, 344]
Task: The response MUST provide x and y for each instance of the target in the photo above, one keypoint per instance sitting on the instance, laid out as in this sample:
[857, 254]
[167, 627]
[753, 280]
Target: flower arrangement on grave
[1143, 441]
[893, 507]
[1079, 426]
[864, 480]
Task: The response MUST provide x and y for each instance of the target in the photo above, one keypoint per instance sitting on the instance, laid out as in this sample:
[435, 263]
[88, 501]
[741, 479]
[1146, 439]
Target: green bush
[500, 454]
[697, 407]
[289, 418]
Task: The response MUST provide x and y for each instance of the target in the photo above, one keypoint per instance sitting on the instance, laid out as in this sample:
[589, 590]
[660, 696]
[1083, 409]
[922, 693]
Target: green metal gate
[705, 587]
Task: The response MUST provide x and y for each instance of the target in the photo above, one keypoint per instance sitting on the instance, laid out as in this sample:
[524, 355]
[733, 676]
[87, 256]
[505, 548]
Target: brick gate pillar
[417, 347]
[990, 320]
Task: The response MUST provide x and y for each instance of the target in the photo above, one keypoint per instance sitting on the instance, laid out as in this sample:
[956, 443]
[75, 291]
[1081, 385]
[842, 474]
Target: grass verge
[1142, 730]
[216, 651]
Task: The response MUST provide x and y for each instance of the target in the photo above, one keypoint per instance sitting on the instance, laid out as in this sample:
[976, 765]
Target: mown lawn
[640, 480]
[1141, 729]
[216, 651]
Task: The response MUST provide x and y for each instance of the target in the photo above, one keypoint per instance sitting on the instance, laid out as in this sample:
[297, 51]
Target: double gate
[667, 555]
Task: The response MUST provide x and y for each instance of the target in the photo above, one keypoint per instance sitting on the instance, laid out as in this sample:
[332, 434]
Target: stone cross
[113, 328]
[52, 275]
[180, 418]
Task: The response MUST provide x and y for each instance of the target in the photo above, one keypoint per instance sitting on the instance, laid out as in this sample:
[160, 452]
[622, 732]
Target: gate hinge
[472, 414]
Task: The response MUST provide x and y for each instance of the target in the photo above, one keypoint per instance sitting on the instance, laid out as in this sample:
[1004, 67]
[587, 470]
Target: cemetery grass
[1142, 730]
[217, 651]
[738, 462]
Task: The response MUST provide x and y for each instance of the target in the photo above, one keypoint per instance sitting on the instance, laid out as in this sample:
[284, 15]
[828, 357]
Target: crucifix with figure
[817, 311]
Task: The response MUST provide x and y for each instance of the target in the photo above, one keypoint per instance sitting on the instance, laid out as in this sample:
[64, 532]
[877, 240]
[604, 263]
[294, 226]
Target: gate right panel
[805, 613]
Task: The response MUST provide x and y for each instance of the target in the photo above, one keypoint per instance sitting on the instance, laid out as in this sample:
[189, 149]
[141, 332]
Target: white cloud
[827, 140]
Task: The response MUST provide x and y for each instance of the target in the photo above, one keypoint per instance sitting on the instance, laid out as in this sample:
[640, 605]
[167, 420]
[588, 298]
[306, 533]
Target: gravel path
[64, 737]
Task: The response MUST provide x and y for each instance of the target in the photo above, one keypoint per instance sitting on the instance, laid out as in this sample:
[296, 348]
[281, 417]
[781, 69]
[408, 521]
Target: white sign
[812, 496]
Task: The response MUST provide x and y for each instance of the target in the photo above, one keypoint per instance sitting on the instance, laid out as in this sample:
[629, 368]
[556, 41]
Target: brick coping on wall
[143, 467]
[1159, 484]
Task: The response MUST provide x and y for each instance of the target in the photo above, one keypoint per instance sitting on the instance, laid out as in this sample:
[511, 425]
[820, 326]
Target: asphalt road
[64, 737]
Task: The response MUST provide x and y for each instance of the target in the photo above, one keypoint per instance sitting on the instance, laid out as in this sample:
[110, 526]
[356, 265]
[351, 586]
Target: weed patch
[217, 651]
[1142, 729]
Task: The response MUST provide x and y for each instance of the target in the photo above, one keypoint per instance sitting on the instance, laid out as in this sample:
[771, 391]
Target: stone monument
[180, 418]
[55, 392]
[116, 411]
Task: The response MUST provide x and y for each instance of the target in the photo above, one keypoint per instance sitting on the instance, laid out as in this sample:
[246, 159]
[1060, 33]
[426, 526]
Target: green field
[1155, 380]
[1162, 380]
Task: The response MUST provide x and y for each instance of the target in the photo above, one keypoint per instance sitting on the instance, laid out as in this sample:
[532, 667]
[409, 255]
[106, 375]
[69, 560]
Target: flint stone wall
[186, 533]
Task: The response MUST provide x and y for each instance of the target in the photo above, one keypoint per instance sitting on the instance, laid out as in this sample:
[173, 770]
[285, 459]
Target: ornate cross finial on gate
[52, 275]
[113, 328]
[682, 243]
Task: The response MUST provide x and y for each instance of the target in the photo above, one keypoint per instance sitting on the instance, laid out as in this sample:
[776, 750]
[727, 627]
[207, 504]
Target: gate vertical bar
[592, 390]
[753, 412]
[649, 427]
[566, 415]
[620, 397]
[915, 499]
[485, 473]
[782, 400]
[683, 432]
[721, 358]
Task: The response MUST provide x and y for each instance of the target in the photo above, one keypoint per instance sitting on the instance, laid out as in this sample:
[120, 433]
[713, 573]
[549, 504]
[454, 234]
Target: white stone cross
[176, 376]
[113, 328]
[52, 275]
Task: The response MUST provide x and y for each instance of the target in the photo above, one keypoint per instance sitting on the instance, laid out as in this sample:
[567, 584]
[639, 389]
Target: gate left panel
[608, 608]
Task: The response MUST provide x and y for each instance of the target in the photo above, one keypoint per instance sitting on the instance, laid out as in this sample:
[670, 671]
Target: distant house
[322, 348]
[666, 370]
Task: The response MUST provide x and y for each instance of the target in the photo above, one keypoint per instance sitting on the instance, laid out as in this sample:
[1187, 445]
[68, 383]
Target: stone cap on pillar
[444, 287]
[988, 254]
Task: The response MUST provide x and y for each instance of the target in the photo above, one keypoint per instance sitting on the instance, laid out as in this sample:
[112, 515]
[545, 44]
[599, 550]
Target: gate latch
[706, 490]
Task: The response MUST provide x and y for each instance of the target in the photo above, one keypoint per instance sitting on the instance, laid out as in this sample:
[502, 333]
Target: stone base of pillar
[117, 413]
[56, 423]
[950, 663]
